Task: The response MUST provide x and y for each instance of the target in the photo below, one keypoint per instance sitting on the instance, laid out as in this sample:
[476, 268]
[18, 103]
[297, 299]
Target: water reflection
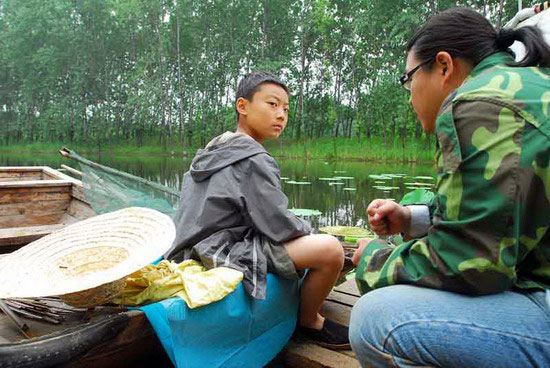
[340, 206]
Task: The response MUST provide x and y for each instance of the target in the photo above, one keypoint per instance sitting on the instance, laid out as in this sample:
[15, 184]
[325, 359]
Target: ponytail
[537, 51]
[466, 34]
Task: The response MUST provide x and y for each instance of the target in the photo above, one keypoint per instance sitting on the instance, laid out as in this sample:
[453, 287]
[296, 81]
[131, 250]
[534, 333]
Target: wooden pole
[72, 171]
[71, 154]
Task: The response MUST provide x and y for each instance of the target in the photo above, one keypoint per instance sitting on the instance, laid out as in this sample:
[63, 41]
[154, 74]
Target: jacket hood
[222, 151]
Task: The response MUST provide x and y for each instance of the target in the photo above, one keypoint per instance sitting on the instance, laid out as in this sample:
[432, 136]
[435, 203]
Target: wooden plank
[38, 189]
[21, 168]
[39, 173]
[78, 192]
[72, 171]
[80, 210]
[38, 206]
[61, 176]
[299, 353]
[303, 354]
[342, 298]
[31, 196]
[336, 312]
[349, 287]
[35, 183]
[136, 346]
[31, 219]
[25, 235]
[18, 176]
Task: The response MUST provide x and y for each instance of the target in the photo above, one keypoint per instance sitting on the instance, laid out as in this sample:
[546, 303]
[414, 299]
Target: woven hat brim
[87, 254]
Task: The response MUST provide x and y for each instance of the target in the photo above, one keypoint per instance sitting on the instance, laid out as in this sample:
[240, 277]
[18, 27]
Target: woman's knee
[380, 311]
[369, 318]
[370, 325]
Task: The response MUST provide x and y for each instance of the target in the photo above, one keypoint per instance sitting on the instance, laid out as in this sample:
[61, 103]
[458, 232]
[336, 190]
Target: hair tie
[505, 38]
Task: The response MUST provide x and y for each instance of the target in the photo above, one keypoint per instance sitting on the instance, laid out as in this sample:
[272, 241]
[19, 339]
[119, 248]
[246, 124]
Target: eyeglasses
[406, 77]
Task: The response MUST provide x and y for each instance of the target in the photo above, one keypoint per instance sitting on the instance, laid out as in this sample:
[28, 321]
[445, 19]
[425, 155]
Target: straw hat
[101, 250]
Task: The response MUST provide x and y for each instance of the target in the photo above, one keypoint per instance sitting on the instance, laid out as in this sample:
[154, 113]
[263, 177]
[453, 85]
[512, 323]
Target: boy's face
[266, 115]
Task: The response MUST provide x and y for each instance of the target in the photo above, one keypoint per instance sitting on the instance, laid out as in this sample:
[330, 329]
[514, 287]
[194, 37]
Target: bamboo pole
[72, 171]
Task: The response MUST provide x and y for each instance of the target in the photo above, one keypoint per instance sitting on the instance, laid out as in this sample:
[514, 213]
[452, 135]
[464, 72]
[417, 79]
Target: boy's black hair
[251, 82]
[466, 34]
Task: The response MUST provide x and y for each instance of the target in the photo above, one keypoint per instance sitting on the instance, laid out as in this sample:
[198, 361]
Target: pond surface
[340, 190]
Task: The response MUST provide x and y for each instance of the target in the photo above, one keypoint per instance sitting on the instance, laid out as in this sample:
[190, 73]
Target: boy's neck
[241, 129]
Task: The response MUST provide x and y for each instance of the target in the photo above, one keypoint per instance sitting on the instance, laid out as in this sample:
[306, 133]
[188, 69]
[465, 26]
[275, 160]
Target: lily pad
[344, 177]
[380, 177]
[419, 184]
[340, 172]
[393, 175]
[424, 177]
[305, 212]
[329, 179]
[298, 182]
[384, 188]
[417, 196]
[346, 231]
[350, 189]
[284, 178]
[336, 183]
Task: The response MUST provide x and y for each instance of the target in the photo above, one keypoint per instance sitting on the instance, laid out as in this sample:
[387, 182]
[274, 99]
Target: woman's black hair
[466, 34]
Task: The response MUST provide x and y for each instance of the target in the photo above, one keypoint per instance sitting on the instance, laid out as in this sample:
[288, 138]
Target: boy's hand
[361, 244]
[387, 217]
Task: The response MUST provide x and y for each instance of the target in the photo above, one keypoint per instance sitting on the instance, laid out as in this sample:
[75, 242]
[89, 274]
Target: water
[338, 205]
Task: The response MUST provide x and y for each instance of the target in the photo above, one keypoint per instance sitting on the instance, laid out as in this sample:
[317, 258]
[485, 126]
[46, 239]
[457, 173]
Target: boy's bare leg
[323, 256]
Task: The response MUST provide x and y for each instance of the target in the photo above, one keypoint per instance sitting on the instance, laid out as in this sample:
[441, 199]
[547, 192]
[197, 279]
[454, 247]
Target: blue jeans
[409, 326]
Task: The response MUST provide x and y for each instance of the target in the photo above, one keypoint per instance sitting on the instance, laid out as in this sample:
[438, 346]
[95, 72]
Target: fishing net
[108, 189]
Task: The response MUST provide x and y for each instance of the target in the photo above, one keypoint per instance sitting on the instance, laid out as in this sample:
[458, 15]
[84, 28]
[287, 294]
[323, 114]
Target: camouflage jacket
[491, 212]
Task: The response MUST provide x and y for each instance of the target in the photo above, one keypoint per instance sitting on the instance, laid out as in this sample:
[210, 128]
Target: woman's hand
[387, 217]
[361, 244]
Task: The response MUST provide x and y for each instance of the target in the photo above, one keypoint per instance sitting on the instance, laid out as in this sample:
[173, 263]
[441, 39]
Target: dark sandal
[332, 336]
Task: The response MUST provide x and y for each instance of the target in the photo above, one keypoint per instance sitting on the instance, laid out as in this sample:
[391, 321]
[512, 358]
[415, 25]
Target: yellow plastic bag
[189, 280]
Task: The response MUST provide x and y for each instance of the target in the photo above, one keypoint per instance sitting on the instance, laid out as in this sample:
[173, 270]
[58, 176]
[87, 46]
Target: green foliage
[163, 72]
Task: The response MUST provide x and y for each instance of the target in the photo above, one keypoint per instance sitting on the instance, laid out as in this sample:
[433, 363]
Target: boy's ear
[241, 105]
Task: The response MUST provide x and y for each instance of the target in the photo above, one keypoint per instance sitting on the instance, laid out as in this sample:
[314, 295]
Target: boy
[233, 212]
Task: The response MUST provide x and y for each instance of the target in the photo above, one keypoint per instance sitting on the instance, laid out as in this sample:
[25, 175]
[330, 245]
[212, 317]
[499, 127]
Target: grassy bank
[374, 149]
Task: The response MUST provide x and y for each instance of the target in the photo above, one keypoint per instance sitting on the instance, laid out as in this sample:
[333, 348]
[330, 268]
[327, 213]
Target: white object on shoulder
[529, 18]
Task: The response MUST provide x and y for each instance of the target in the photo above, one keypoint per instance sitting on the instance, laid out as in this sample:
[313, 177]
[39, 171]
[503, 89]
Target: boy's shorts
[278, 260]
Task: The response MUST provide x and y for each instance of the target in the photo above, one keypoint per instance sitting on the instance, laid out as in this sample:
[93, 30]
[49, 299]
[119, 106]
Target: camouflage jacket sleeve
[482, 229]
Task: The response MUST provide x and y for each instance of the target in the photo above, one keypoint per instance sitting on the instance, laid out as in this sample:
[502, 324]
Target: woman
[477, 273]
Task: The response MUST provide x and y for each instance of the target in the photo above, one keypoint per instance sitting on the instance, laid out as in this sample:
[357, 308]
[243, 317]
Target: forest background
[159, 76]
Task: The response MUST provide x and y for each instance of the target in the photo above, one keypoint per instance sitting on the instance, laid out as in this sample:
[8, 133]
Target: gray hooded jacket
[233, 212]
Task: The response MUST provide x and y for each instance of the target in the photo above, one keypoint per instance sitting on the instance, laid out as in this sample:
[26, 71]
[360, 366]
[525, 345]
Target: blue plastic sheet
[237, 331]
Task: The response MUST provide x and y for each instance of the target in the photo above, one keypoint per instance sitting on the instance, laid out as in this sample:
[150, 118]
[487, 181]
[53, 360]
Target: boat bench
[300, 353]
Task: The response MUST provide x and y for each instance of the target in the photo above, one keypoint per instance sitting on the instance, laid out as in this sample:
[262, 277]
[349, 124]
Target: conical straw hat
[87, 254]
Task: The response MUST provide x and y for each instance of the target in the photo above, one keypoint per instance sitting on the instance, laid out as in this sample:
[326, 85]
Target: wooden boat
[34, 201]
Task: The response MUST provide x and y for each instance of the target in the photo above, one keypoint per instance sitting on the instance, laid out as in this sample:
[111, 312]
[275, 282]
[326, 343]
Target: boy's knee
[332, 251]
